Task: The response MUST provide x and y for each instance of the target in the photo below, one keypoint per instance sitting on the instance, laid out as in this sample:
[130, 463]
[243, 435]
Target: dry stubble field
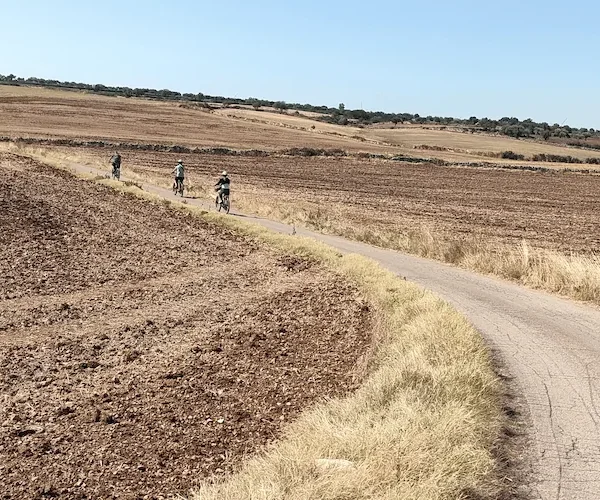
[538, 228]
[408, 139]
[38, 112]
[49, 113]
[143, 349]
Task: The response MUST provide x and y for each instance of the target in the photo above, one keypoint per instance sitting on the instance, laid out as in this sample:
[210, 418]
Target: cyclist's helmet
[180, 161]
[224, 173]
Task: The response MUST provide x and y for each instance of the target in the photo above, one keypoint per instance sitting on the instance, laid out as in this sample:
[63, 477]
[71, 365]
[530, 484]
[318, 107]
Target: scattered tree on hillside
[280, 106]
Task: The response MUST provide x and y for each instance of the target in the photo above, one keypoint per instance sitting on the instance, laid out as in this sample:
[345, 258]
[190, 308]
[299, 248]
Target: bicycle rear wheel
[226, 203]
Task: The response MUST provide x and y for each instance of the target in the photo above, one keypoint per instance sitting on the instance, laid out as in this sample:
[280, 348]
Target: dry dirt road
[550, 345]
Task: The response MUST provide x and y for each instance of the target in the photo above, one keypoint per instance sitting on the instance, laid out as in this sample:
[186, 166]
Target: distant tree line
[509, 126]
[163, 95]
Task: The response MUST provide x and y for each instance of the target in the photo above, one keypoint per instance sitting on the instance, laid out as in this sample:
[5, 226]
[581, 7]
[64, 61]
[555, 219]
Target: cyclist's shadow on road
[255, 217]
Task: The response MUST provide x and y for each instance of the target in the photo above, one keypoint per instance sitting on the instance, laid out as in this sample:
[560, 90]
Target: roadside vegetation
[422, 425]
[575, 275]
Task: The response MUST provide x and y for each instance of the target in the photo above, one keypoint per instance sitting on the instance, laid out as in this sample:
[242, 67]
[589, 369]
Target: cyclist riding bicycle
[179, 172]
[222, 187]
[115, 161]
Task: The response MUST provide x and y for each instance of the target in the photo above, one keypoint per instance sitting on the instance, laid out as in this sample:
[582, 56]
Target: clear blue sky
[527, 58]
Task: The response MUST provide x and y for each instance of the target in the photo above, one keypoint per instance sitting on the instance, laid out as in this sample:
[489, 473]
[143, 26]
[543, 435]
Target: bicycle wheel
[226, 203]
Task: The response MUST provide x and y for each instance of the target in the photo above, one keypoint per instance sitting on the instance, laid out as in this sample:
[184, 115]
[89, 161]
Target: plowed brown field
[143, 349]
[549, 210]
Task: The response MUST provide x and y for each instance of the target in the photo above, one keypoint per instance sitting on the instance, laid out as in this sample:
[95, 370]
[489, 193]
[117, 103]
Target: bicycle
[178, 187]
[224, 204]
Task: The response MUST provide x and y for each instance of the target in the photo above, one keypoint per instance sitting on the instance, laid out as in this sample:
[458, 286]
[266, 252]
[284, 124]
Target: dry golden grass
[422, 426]
[407, 139]
[37, 112]
[412, 136]
[573, 275]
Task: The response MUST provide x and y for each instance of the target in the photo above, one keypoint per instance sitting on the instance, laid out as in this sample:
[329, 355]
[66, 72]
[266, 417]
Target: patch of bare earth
[143, 349]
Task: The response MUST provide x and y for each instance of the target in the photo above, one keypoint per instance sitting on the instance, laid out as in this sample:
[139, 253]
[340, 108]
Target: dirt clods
[142, 350]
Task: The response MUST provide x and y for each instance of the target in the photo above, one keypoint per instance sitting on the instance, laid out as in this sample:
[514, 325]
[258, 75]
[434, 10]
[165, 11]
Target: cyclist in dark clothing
[115, 161]
[222, 187]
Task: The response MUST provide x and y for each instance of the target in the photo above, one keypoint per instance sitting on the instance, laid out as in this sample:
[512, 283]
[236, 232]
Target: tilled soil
[551, 210]
[142, 349]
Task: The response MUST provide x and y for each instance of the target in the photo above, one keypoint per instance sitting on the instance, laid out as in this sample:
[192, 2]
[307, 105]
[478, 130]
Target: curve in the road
[549, 344]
